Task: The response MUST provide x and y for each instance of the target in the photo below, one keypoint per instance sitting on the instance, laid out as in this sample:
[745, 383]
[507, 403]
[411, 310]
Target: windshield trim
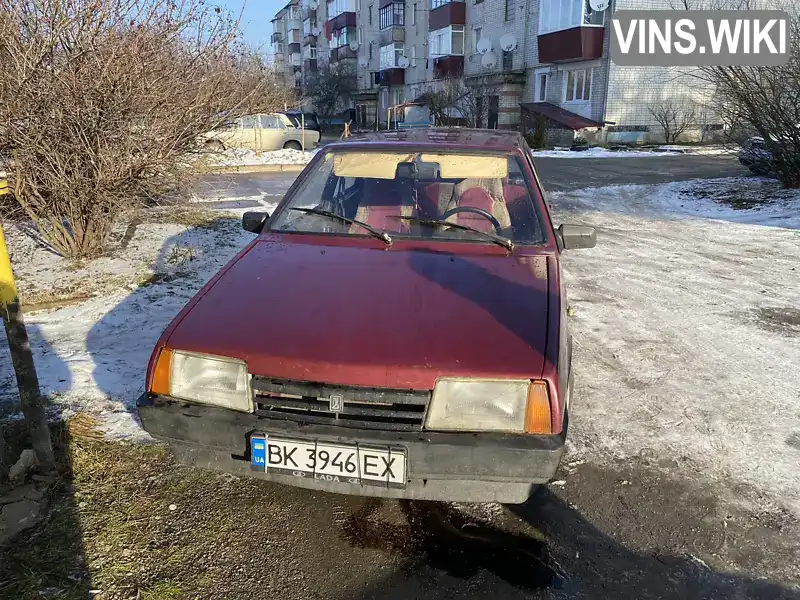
[302, 182]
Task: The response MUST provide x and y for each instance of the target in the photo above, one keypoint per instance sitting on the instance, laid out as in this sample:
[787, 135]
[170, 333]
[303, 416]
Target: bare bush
[452, 99]
[675, 118]
[103, 102]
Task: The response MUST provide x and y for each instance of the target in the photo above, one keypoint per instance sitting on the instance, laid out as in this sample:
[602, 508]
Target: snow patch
[233, 157]
[659, 151]
[684, 314]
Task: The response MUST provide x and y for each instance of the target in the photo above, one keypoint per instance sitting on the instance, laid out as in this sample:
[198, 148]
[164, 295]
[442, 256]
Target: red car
[398, 329]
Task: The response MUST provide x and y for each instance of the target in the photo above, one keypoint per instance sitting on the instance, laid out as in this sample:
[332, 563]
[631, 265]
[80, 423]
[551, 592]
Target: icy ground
[686, 325]
[599, 152]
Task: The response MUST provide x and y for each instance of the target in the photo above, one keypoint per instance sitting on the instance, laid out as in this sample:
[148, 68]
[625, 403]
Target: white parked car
[262, 132]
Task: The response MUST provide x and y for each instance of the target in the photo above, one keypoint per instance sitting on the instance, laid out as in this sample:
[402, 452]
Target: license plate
[345, 463]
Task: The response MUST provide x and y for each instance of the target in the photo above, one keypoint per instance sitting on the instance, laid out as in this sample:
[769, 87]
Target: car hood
[373, 317]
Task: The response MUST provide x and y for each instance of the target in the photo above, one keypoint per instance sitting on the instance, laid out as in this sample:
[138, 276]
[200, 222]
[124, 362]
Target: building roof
[498, 139]
[555, 113]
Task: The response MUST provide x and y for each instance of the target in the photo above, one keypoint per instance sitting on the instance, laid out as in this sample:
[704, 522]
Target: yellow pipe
[8, 288]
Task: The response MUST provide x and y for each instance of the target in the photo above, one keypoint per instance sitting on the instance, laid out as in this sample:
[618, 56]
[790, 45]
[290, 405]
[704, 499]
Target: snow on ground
[599, 152]
[687, 332]
[686, 327]
[234, 157]
[92, 356]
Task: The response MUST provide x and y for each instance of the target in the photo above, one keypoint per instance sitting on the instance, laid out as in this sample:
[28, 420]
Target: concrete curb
[224, 169]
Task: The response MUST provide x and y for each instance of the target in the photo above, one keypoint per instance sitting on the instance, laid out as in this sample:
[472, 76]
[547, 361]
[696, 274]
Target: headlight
[511, 406]
[210, 380]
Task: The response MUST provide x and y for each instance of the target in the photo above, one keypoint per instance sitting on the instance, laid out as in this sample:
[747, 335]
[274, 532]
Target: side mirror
[577, 236]
[254, 221]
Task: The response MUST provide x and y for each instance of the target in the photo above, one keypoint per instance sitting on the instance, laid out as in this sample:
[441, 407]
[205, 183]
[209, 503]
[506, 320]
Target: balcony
[448, 66]
[342, 53]
[391, 35]
[310, 65]
[342, 20]
[294, 24]
[577, 43]
[296, 59]
[309, 40]
[276, 37]
[452, 13]
[393, 76]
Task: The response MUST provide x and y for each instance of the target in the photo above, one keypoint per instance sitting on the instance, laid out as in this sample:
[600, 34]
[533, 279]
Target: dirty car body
[397, 329]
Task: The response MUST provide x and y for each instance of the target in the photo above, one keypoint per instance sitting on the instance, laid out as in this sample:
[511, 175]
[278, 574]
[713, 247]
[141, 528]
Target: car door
[273, 133]
[244, 135]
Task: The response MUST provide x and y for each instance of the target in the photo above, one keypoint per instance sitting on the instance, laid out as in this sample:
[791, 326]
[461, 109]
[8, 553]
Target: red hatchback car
[398, 329]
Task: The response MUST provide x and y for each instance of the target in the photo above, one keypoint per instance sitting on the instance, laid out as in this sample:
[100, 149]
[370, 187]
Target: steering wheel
[477, 211]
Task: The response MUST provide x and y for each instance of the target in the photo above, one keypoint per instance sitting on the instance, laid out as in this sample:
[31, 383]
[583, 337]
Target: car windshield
[415, 194]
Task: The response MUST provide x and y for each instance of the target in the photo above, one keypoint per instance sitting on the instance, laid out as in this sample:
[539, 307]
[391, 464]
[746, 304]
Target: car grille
[362, 407]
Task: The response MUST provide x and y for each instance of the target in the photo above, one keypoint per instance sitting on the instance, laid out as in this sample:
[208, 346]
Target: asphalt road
[558, 174]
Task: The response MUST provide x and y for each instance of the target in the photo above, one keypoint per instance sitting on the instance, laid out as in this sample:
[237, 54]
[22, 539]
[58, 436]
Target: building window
[540, 93]
[312, 52]
[413, 56]
[278, 47]
[438, 3]
[509, 10]
[476, 37]
[294, 13]
[390, 55]
[578, 87]
[555, 15]
[370, 51]
[508, 60]
[446, 41]
[392, 15]
[414, 14]
[370, 14]
[343, 37]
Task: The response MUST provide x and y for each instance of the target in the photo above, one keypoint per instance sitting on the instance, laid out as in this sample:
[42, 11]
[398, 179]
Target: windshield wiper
[497, 239]
[381, 235]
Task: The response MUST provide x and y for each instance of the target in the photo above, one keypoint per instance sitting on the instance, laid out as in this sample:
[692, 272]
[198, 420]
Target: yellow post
[30, 397]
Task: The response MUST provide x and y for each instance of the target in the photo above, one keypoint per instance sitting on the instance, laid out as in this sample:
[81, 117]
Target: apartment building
[523, 58]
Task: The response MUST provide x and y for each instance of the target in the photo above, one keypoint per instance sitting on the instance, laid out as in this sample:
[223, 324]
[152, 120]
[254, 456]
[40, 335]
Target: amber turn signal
[160, 382]
[537, 416]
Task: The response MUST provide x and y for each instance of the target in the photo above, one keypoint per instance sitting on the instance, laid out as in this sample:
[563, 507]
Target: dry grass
[126, 520]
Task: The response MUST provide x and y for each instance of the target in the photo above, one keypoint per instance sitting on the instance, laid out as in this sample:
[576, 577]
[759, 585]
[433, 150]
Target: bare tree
[103, 101]
[763, 100]
[675, 117]
[330, 88]
[453, 99]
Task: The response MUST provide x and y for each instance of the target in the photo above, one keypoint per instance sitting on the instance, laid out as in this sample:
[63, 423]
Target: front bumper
[462, 467]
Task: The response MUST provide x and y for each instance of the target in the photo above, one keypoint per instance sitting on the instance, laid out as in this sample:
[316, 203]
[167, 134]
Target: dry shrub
[102, 103]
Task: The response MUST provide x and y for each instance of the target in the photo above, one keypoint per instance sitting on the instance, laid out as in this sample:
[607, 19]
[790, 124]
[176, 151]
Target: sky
[256, 24]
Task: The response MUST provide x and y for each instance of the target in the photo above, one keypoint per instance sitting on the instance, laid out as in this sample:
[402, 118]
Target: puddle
[450, 541]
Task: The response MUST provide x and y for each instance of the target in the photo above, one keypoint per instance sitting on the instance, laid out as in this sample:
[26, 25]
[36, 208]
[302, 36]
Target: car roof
[449, 137]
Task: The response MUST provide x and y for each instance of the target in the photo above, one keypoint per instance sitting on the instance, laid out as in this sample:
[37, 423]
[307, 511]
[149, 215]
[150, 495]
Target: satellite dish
[509, 41]
[298, 75]
[403, 62]
[599, 5]
[489, 60]
[353, 46]
[484, 45]
[363, 63]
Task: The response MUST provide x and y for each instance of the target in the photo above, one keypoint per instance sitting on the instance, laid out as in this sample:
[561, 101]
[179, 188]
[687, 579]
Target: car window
[249, 122]
[271, 122]
[402, 192]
